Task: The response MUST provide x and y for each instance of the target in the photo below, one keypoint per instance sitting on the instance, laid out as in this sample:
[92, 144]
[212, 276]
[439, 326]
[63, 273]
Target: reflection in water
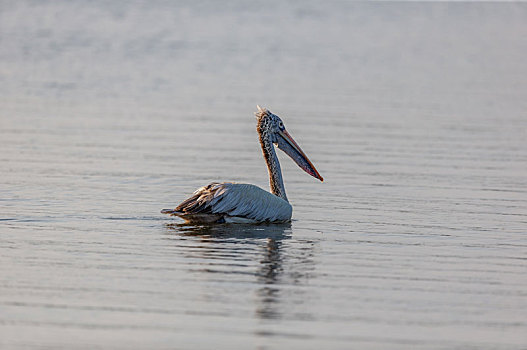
[230, 231]
[270, 269]
[282, 260]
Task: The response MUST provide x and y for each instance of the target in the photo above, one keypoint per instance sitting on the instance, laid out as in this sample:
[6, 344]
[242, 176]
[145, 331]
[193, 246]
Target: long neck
[273, 165]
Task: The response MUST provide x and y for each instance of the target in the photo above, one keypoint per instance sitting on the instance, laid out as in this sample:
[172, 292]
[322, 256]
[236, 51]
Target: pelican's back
[231, 202]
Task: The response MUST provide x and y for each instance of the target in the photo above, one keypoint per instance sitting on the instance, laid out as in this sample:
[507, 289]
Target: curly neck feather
[273, 165]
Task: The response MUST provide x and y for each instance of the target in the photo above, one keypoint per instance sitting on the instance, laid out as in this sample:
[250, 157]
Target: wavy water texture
[414, 113]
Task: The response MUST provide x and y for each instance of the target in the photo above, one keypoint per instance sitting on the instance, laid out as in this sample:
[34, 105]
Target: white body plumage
[233, 203]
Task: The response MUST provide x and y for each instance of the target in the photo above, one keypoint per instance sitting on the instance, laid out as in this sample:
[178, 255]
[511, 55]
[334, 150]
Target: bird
[230, 202]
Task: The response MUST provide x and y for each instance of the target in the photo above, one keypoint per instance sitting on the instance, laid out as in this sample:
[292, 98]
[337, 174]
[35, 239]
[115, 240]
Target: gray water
[414, 114]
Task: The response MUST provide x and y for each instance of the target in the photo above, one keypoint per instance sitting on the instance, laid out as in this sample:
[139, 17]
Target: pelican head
[272, 129]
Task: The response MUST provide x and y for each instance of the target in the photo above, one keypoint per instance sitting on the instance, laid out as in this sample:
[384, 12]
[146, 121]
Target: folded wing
[219, 201]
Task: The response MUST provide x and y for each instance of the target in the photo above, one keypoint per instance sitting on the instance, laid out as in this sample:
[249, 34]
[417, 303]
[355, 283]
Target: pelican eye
[281, 126]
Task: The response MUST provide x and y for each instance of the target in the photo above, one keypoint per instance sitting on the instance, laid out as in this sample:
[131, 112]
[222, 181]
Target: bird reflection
[268, 275]
[229, 231]
[269, 243]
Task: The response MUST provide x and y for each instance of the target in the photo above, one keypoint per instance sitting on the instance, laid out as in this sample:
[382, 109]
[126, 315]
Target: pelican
[229, 202]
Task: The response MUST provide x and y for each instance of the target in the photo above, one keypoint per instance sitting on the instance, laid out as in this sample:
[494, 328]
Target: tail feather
[198, 208]
[200, 201]
[201, 218]
[170, 211]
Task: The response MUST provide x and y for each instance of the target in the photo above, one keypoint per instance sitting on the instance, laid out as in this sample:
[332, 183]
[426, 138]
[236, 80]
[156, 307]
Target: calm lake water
[414, 114]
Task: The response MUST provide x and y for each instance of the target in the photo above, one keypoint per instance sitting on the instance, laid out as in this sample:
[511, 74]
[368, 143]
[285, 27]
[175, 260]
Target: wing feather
[238, 200]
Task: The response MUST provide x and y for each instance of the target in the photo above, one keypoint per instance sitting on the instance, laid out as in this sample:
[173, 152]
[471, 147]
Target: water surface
[414, 114]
